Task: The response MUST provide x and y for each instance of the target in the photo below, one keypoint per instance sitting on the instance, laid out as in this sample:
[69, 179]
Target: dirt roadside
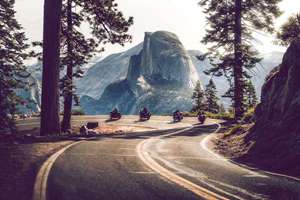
[233, 143]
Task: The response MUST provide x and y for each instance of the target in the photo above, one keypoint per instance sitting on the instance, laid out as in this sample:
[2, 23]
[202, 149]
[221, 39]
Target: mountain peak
[161, 77]
[165, 59]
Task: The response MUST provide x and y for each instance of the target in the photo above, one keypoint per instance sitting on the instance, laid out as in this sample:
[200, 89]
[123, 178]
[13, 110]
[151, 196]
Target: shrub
[78, 112]
[224, 116]
[190, 114]
[234, 130]
[249, 116]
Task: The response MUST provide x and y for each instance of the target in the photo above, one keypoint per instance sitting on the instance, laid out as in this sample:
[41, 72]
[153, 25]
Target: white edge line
[40, 185]
[208, 138]
[152, 164]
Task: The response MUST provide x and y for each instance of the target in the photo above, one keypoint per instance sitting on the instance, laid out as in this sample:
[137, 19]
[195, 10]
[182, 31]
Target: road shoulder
[235, 147]
[20, 163]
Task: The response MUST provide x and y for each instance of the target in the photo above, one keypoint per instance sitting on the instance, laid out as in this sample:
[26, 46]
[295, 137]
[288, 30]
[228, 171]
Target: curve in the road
[151, 163]
[40, 185]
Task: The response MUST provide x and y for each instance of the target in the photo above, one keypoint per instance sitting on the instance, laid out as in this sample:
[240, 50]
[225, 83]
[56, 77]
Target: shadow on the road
[199, 129]
[196, 131]
[140, 121]
[111, 120]
[144, 134]
[28, 137]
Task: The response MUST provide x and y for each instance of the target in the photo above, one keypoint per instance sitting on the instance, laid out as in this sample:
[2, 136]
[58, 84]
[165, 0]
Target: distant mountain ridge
[114, 68]
[122, 60]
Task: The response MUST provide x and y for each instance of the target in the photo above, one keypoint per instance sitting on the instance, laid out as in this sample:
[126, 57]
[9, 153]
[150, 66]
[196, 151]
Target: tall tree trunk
[51, 52]
[66, 123]
[238, 67]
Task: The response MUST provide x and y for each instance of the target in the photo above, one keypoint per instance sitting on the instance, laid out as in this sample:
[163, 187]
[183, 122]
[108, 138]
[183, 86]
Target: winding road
[173, 164]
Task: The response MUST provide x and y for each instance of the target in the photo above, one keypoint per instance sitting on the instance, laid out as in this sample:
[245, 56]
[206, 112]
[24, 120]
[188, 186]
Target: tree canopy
[211, 97]
[229, 37]
[106, 25]
[13, 52]
[289, 31]
[198, 98]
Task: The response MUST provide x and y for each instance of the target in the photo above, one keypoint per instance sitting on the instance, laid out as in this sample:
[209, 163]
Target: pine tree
[250, 96]
[198, 98]
[211, 97]
[222, 109]
[231, 25]
[289, 31]
[51, 62]
[106, 23]
[12, 70]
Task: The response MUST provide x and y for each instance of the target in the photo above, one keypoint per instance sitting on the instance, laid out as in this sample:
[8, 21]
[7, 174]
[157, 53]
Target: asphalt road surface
[112, 168]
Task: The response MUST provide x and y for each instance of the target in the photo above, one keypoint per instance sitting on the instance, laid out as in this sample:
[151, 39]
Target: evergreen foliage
[211, 97]
[222, 109]
[198, 98]
[229, 36]
[250, 97]
[107, 25]
[289, 31]
[12, 70]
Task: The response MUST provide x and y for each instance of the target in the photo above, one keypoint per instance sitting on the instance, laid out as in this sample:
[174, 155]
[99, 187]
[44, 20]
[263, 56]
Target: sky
[182, 17]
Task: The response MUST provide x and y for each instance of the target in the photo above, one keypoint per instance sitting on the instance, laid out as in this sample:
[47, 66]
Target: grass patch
[190, 114]
[234, 130]
[78, 112]
[224, 116]
[249, 116]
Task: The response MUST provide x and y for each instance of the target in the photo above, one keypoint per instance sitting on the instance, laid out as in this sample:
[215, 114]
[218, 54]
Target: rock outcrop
[275, 138]
[280, 100]
[161, 77]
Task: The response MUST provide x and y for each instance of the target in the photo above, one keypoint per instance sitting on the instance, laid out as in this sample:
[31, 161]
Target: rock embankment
[273, 142]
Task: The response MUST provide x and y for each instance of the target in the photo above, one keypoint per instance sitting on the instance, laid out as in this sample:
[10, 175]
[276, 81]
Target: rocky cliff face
[161, 77]
[164, 58]
[275, 137]
[280, 99]
[32, 96]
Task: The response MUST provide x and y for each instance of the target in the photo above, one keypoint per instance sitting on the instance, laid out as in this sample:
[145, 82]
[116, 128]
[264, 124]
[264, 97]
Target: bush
[190, 114]
[78, 112]
[224, 116]
[236, 129]
[249, 116]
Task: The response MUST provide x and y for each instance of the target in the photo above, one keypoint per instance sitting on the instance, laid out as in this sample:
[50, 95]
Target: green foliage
[224, 116]
[211, 97]
[289, 31]
[249, 116]
[250, 99]
[236, 129]
[78, 112]
[222, 109]
[198, 98]
[190, 114]
[229, 36]
[107, 25]
[12, 70]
